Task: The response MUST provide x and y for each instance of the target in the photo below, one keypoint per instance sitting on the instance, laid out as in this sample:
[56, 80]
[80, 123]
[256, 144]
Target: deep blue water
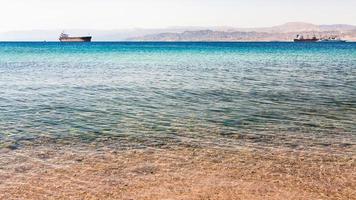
[289, 94]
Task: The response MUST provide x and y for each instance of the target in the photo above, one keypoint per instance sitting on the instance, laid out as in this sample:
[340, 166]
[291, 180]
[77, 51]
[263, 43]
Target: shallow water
[295, 95]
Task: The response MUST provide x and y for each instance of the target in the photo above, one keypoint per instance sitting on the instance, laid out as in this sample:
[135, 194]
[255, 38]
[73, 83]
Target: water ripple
[263, 93]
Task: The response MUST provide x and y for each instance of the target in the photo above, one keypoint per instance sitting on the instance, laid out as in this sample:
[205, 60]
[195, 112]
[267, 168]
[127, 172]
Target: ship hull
[332, 41]
[306, 40]
[75, 39]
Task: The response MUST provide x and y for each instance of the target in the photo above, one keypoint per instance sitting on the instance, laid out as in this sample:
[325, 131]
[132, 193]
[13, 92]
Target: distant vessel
[300, 38]
[65, 38]
[332, 39]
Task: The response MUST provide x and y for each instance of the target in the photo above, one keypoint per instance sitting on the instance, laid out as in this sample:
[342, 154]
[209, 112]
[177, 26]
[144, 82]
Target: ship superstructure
[332, 38]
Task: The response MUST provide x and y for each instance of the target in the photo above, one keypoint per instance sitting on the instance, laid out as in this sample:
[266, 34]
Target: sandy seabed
[90, 172]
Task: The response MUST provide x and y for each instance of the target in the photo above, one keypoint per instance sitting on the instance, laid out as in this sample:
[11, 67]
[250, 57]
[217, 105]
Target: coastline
[176, 41]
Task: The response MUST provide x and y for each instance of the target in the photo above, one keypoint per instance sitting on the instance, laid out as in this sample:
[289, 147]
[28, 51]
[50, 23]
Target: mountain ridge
[283, 32]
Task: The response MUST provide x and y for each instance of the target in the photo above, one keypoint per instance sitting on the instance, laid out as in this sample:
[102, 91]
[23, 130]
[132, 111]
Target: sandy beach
[174, 172]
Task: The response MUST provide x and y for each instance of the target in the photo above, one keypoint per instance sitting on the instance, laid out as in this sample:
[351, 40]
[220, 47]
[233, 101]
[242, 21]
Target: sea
[221, 94]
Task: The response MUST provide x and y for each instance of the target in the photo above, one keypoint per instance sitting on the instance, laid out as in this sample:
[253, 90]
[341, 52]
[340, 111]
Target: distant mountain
[295, 27]
[283, 32]
[98, 35]
[337, 27]
[298, 27]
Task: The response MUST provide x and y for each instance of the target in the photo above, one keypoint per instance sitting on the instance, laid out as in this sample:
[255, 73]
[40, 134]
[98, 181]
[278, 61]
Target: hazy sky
[120, 14]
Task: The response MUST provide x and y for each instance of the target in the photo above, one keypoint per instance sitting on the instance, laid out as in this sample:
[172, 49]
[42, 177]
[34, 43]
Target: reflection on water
[296, 95]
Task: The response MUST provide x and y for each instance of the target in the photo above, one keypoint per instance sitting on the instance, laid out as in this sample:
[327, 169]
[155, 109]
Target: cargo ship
[66, 38]
[300, 38]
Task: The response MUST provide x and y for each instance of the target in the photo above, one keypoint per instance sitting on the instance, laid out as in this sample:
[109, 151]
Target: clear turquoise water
[295, 95]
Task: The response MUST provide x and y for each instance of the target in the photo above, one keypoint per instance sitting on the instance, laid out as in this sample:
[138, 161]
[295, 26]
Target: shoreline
[187, 41]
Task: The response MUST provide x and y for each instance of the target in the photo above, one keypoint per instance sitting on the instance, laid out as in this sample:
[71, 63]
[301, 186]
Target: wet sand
[91, 172]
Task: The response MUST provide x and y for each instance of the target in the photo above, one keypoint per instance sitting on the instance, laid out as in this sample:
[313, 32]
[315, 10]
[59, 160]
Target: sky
[124, 14]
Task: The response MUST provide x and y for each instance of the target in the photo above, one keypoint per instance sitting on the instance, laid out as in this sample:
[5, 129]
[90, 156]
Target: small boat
[66, 38]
